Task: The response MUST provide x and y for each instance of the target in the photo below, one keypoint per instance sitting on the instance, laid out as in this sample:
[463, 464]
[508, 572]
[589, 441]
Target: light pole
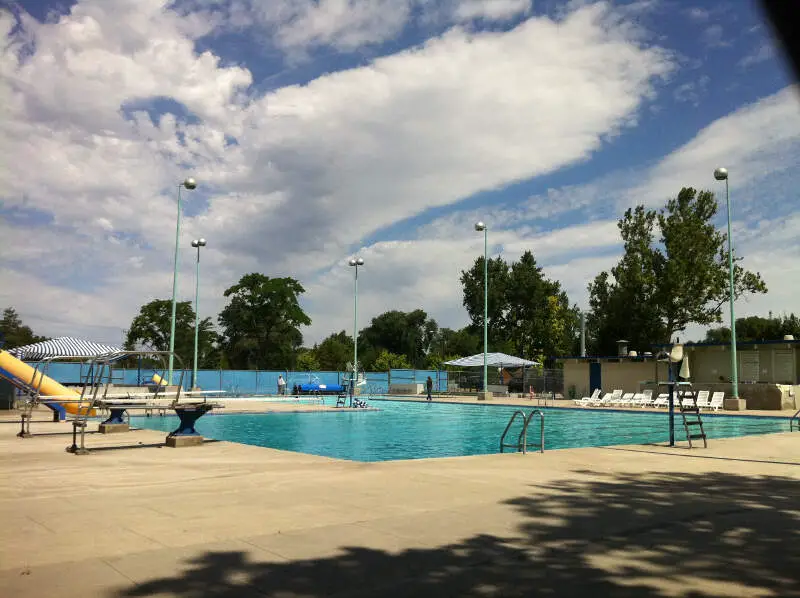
[721, 174]
[480, 226]
[190, 184]
[198, 243]
[355, 263]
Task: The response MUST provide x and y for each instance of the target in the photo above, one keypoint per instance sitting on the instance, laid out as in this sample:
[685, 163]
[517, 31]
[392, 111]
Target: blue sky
[323, 129]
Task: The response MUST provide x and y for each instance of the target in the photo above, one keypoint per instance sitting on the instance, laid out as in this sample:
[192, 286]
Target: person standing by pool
[281, 385]
[429, 387]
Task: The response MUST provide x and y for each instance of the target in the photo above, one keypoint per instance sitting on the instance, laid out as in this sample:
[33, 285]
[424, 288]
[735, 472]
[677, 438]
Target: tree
[622, 302]
[456, 343]
[528, 314]
[151, 326]
[403, 333]
[387, 360]
[540, 322]
[756, 328]
[262, 322]
[307, 361]
[659, 289]
[335, 352]
[497, 299]
[14, 333]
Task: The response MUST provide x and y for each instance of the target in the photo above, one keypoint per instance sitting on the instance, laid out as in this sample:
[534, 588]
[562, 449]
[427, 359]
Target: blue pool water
[414, 430]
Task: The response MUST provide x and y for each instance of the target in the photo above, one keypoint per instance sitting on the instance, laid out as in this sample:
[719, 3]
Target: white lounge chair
[702, 399]
[686, 399]
[608, 399]
[588, 400]
[662, 400]
[647, 399]
[717, 401]
[624, 400]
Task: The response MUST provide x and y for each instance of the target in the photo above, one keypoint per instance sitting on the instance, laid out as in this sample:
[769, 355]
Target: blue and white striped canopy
[63, 346]
[495, 359]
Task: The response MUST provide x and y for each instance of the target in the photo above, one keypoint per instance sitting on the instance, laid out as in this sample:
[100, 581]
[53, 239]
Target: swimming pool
[417, 430]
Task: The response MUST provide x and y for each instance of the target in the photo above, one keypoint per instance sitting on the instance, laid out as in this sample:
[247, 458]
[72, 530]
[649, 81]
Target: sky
[319, 130]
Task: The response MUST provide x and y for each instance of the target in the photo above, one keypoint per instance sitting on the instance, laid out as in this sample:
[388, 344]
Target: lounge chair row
[645, 399]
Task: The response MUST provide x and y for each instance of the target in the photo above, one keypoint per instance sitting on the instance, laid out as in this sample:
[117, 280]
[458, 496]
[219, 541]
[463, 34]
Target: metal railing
[795, 417]
[522, 439]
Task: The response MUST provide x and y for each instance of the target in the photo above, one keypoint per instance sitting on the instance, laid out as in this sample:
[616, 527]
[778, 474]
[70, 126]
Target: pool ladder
[522, 439]
[795, 417]
[691, 417]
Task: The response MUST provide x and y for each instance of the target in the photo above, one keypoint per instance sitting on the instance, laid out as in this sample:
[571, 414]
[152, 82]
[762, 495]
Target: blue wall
[249, 381]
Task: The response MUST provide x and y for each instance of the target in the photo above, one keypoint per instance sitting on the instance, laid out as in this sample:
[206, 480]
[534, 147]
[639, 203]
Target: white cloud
[764, 52]
[342, 24]
[758, 143]
[692, 91]
[713, 36]
[317, 167]
[491, 10]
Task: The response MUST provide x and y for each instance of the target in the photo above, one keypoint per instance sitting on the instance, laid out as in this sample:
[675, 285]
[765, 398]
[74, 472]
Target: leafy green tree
[411, 334]
[387, 360]
[623, 302]
[451, 344]
[14, 333]
[261, 323]
[529, 315]
[540, 322]
[335, 352]
[658, 289]
[757, 328]
[307, 361]
[150, 329]
[497, 297]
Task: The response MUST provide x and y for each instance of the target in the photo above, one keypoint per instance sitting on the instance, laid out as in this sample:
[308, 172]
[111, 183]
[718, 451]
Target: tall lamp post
[198, 243]
[721, 174]
[189, 184]
[355, 263]
[481, 227]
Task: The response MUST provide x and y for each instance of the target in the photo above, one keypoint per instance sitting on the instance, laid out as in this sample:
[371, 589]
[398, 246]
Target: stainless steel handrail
[796, 416]
[541, 431]
[522, 439]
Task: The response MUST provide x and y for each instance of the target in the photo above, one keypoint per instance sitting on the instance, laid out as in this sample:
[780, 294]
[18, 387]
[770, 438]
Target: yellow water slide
[21, 375]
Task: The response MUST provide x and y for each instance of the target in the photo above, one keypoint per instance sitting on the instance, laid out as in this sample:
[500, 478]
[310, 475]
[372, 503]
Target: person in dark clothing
[429, 387]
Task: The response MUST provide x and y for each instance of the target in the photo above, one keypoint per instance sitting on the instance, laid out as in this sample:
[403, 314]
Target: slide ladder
[692, 422]
[522, 440]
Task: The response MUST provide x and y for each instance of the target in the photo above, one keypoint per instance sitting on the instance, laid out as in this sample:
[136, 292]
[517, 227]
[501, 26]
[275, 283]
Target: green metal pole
[734, 362]
[174, 289]
[196, 316]
[355, 335]
[485, 307]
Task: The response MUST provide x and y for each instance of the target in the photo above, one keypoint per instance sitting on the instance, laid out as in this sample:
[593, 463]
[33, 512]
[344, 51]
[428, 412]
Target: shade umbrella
[685, 373]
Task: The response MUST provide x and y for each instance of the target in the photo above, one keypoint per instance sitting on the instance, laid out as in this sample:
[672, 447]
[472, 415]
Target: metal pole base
[25, 426]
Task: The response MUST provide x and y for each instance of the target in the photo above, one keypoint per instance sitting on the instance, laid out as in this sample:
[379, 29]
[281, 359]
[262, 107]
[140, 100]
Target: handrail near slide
[792, 419]
[522, 439]
[105, 362]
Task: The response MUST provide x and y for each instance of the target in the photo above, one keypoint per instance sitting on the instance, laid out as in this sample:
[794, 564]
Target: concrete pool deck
[230, 520]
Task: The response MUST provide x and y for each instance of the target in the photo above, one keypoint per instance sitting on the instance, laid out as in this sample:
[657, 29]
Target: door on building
[595, 377]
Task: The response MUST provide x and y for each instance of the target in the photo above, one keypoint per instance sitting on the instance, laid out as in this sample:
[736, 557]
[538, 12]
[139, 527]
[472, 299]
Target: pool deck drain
[225, 519]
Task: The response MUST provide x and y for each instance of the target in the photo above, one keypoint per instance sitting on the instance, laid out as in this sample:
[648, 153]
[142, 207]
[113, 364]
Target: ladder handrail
[796, 416]
[508, 426]
[522, 439]
[541, 431]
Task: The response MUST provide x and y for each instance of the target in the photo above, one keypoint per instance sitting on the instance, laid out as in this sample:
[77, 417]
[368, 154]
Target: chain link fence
[538, 381]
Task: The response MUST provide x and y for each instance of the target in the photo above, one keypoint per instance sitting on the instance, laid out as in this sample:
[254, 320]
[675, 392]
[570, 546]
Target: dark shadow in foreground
[602, 535]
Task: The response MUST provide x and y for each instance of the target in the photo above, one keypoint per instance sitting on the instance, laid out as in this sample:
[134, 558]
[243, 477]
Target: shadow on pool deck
[610, 535]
